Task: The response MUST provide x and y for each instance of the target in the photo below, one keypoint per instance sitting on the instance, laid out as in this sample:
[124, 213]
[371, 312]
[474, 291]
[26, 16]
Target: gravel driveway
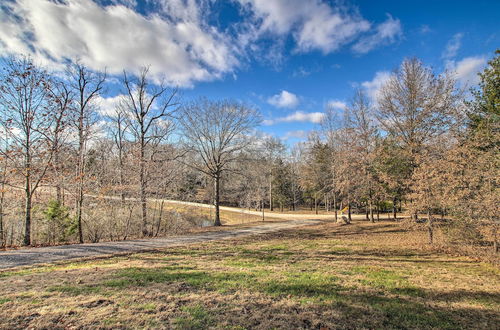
[32, 256]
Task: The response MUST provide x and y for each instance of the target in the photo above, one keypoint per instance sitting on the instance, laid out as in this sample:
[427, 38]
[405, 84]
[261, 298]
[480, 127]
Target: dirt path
[274, 215]
[33, 256]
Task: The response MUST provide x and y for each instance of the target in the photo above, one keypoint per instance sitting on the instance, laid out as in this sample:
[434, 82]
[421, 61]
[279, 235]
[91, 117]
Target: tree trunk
[217, 201]
[394, 209]
[160, 215]
[142, 178]
[378, 212]
[128, 222]
[58, 177]
[81, 174]
[2, 200]
[349, 217]
[335, 206]
[59, 194]
[27, 218]
[315, 204]
[2, 240]
[27, 190]
[271, 206]
[372, 219]
[79, 207]
[122, 178]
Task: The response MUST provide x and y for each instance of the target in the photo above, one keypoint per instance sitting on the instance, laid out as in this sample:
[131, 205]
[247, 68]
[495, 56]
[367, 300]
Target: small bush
[60, 226]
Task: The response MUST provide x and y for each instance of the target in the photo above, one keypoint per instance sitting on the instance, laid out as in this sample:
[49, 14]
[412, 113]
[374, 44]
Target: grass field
[328, 276]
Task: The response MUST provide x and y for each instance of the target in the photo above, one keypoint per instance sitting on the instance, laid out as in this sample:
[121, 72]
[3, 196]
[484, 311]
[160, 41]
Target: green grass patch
[319, 286]
[196, 317]
[137, 276]
[240, 263]
[4, 300]
[403, 314]
[149, 307]
[386, 279]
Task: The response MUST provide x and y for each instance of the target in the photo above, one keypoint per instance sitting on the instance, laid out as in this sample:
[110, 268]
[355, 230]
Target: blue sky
[289, 58]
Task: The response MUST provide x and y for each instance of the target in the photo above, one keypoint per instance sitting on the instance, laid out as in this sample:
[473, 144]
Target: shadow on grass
[388, 300]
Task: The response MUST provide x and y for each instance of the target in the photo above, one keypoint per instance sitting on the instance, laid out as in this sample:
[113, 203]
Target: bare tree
[62, 100]
[331, 129]
[415, 105]
[273, 150]
[87, 86]
[364, 137]
[217, 132]
[315, 170]
[26, 119]
[148, 105]
[118, 131]
[4, 158]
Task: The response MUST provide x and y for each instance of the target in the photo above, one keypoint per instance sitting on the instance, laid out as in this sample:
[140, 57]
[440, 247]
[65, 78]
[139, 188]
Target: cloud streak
[453, 46]
[385, 33]
[316, 25]
[298, 116]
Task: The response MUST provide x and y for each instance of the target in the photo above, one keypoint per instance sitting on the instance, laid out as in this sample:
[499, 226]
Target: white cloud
[385, 33]
[108, 105]
[315, 25]
[298, 116]
[466, 70]
[336, 104]
[284, 99]
[180, 47]
[373, 86]
[453, 46]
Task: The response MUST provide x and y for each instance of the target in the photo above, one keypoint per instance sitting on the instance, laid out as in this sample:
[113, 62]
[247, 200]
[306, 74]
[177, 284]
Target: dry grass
[328, 276]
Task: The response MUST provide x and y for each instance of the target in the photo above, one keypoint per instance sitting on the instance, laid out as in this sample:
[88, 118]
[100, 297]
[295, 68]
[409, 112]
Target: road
[44, 255]
[284, 216]
[32, 256]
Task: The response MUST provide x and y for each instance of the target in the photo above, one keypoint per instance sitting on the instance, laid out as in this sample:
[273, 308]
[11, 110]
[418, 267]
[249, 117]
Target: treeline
[73, 170]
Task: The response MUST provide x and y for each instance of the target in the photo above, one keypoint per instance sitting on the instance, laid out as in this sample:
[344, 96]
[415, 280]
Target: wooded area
[72, 170]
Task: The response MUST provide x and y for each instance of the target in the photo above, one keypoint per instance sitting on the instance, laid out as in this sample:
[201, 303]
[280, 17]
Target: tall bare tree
[26, 119]
[118, 131]
[148, 105]
[217, 131]
[415, 105]
[364, 135]
[273, 150]
[4, 179]
[331, 125]
[62, 101]
[87, 86]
